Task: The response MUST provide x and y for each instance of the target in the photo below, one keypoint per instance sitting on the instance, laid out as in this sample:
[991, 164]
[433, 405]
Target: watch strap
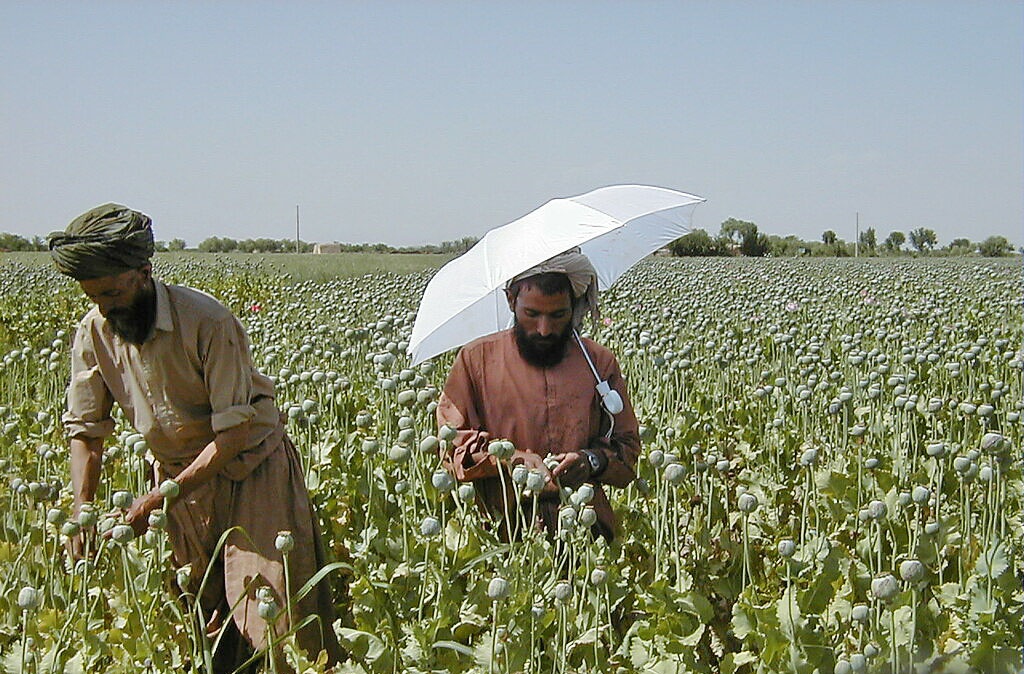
[597, 461]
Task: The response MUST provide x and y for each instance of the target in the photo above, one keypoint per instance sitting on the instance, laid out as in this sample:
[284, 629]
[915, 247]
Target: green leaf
[788, 612]
[480, 559]
[664, 666]
[454, 646]
[743, 623]
[982, 603]
[993, 562]
[694, 638]
[904, 624]
[733, 661]
[697, 604]
[366, 648]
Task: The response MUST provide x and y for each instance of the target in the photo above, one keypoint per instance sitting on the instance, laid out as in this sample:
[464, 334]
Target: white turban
[582, 278]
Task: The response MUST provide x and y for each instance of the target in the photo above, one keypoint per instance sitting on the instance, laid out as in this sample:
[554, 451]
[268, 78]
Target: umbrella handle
[610, 398]
[611, 401]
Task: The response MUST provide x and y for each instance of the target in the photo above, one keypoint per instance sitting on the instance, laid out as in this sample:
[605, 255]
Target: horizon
[411, 123]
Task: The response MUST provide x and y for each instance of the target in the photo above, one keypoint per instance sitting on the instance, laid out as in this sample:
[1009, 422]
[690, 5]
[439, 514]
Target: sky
[411, 123]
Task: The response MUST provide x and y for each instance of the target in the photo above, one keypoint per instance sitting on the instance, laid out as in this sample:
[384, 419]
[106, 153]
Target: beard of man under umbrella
[542, 351]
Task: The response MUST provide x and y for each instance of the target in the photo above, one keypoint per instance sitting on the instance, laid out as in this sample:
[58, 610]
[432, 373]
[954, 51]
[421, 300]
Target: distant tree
[790, 246]
[282, 246]
[176, 244]
[895, 241]
[13, 242]
[745, 237]
[754, 244]
[698, 243]
[960, 247]
[868, 240]
[828, 238]
[216, 244]
[736, 230]
[264, 245]
[995, 246]
[923, 239]
[160, 246]
[459, 246]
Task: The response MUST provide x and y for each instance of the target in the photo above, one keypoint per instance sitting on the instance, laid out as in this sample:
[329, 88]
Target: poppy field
[830, 481]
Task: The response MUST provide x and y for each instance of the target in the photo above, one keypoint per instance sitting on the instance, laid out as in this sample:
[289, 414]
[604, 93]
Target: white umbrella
[614, 226]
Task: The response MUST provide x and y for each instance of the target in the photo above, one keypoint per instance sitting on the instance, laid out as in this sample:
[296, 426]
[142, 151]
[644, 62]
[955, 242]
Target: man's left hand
[573, 469]
[138, 514]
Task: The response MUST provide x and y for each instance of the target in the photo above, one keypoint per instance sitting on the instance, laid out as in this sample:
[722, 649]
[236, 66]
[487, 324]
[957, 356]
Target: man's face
[543, 325]
[126, 300]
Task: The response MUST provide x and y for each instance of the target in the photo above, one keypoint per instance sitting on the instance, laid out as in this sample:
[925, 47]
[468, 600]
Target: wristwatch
[594, 459]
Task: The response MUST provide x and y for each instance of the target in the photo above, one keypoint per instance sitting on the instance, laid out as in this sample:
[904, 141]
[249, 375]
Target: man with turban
[179, 365]
[532, 385]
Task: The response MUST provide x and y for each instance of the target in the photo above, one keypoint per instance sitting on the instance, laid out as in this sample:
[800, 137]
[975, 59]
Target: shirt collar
[164, 321]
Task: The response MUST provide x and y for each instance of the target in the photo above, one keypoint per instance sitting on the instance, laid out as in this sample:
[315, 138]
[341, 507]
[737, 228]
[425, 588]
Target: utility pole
[296, 228]
[856, 242]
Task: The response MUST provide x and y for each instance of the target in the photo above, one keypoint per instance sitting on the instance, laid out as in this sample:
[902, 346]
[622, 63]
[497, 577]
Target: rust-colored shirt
[192, 378]
[493, 393]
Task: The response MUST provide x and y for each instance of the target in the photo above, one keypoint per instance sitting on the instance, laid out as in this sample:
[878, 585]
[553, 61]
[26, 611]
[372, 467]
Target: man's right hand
[534, 462]
[75, 545]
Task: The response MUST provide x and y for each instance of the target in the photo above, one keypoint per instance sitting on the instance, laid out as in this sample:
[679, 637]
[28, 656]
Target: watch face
[595, 463]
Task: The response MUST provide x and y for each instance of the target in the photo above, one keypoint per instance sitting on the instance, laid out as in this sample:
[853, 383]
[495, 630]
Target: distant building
[324, 248]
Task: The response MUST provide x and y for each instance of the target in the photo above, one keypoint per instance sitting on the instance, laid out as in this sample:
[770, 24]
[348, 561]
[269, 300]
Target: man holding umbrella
[179, 366]
[533, 384]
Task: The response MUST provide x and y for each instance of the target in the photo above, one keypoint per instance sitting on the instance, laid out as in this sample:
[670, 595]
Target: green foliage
[894, 242]
[754, 244]
[13, 242]
[737, 230]
[922, 239]
[995, 246]
[217, 244]
[868, 241]
[699, 243]
[901, 375]
[789, 246]
[736, 235]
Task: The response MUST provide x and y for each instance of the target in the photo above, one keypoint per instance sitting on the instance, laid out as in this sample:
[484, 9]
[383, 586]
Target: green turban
[105, 241]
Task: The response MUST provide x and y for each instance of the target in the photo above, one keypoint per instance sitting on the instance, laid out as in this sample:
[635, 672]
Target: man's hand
[573, 469]
[138, 514]
[534, 462]
[75, 545]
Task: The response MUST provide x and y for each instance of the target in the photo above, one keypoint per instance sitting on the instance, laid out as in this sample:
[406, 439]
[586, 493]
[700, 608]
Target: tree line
[13, 242]
[735, 237]
[740, 237]
[221, 244]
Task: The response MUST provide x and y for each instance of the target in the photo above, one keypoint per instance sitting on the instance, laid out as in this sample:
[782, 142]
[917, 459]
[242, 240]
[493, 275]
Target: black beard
[134, 323]
[546, 352]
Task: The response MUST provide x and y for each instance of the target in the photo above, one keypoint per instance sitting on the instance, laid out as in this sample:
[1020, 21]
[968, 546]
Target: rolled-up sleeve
[88, 399]
[228, 372]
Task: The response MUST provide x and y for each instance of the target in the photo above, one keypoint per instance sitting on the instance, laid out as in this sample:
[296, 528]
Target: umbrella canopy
[614, 226]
